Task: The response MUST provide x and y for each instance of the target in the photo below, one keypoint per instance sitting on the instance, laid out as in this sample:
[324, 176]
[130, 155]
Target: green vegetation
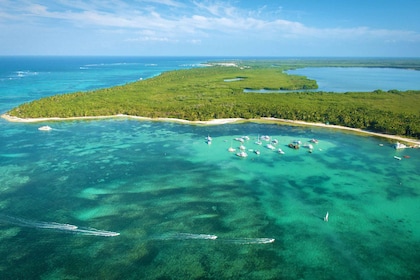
[218, 92]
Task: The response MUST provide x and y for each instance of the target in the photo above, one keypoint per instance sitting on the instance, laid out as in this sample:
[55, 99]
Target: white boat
[275, 141]
[231, 150]
[245, 137]
[271, 147]
[281, 151]
[242, 154]
[45, 128]
[326, 217]
[399, 146]
[258, 141]
[257, 152]
[309, 146]
[242, 147]
[265, 138]
[208, 138]
[315, 141]
[397, 158]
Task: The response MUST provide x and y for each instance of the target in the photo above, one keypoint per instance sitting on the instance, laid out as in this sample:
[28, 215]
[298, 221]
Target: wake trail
[55, 226]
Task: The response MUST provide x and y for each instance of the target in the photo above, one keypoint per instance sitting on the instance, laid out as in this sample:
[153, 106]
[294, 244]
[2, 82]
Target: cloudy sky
[211, 27]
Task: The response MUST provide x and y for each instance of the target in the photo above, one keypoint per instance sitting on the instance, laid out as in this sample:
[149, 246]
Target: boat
[313, 140]
[309, 146]
[271, 147]
[258, 140]
[257, 152]
[242, 154]
[398, 158]
[294, 146]
[265, 138]
[231, 150]
[242, 147]
[326, 217]
[45, 128]
[399, 146]
[275, 141]
[281, 151]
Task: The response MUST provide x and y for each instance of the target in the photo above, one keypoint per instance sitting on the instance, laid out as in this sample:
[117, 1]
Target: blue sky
[384, 28]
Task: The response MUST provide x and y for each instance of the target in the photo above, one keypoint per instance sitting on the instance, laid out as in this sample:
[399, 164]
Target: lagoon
[360, 79]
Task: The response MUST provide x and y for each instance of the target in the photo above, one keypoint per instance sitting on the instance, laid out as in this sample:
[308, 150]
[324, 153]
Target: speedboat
[281, 151]
[242, 147]
[45, 128]
[257, 152]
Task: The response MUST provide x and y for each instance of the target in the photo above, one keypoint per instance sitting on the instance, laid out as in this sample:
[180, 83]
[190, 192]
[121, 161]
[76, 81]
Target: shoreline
[415, 142]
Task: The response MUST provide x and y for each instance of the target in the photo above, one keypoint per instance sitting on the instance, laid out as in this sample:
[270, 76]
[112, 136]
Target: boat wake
[184, 236]
[56, 226]
[248, 240]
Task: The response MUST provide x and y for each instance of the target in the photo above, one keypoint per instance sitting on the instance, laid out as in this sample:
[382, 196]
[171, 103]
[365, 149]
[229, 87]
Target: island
[223, 91]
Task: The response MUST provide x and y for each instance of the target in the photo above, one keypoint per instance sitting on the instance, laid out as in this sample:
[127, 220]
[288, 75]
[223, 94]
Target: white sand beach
[414, 142]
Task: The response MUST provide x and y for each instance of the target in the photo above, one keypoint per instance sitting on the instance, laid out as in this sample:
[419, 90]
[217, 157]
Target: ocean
[131, 199]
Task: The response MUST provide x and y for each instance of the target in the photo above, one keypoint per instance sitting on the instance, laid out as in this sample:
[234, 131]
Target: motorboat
[242, 147]
[257, 152]
[313, 140]
[45, 128]
[242, 154]
[281, 151]
[231, 150]
[309, 146]
[265, 138]
[271, 147]
[294, 146]
[399, 146]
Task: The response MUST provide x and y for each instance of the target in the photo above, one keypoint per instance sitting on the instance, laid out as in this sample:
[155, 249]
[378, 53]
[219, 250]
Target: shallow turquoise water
[169, 194]
[149, 181]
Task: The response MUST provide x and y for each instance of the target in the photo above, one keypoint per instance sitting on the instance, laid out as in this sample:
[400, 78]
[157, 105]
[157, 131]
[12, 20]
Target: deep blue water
[66, 193]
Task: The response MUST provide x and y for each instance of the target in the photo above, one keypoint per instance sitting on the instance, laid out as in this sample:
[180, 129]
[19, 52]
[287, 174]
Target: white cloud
[195, 22]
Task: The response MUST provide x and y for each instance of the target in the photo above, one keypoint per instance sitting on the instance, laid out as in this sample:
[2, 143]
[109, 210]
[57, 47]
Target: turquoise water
[185, 209]
[345, 79]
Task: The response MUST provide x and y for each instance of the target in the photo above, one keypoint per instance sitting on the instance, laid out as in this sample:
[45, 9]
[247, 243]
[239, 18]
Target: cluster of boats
[271, 144]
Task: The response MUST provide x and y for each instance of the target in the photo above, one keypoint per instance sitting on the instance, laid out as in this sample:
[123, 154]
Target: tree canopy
[218, 92]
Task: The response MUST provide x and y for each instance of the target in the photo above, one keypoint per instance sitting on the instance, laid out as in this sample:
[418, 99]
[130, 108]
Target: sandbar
[414, 142]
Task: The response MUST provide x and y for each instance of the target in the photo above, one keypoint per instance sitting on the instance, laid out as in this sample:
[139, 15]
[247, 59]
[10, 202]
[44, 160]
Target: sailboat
[258, 141]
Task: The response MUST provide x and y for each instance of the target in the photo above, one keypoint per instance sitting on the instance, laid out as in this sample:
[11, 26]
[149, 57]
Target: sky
[257, 28]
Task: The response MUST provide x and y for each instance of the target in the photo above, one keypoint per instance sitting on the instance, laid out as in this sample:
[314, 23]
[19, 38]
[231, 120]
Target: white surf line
[56, 226]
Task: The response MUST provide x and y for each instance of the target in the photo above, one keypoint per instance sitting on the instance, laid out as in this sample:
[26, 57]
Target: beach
[415, 143]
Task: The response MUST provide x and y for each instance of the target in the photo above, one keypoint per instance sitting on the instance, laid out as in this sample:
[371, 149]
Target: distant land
[217, 92]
